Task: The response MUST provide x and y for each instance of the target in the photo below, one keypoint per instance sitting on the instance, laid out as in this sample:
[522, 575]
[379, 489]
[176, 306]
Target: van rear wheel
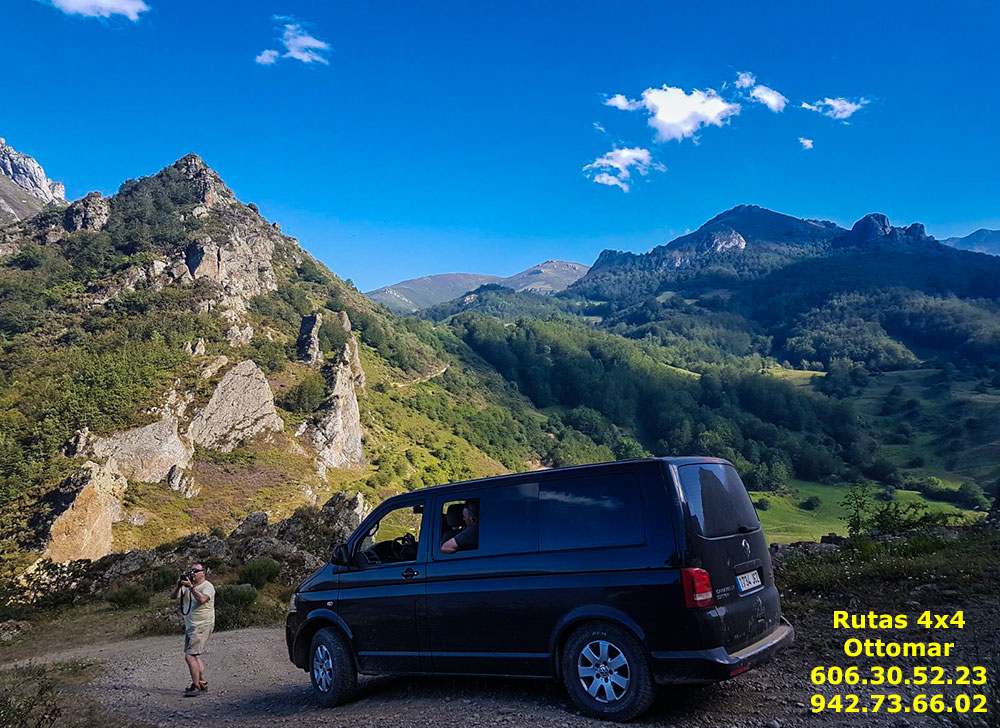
[606, 672]
[331, 667]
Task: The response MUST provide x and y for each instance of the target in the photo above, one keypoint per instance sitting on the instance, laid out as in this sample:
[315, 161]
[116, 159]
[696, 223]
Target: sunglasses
[195, 571]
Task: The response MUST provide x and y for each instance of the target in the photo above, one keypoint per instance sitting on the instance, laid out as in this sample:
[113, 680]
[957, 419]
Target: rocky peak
[90, 213]
[28, 174]
[875, 229]
[208, 184]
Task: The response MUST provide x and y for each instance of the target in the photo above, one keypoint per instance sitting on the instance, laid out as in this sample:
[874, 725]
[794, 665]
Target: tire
[331, 669]
[606, 672]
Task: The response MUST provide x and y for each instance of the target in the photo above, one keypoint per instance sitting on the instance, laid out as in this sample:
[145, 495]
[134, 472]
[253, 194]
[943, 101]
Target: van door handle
[410, 573]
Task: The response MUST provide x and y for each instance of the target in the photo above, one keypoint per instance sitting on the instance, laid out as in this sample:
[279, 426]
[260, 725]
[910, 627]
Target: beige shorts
[195, 639]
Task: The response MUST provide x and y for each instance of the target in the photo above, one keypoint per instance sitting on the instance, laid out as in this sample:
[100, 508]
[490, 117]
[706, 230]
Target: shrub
[762, 504]
[259, 572]
[128, 596]
[307, 395]
[161, 578]
[811, 503]
[232, 606]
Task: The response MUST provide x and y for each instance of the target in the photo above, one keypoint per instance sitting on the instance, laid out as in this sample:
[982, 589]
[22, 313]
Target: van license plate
[748, 581]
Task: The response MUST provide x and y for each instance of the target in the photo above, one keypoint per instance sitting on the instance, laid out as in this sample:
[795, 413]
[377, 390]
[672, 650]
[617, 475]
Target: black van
[611, 577]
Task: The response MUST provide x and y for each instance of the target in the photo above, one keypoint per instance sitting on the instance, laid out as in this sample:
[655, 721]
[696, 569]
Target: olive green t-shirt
[200, 615]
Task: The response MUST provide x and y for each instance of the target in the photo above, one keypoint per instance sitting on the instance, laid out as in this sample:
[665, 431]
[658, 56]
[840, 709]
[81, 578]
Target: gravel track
[254, 684]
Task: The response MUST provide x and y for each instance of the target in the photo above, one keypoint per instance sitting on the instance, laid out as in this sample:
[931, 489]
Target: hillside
[420, 293]
[980, 241]
[171, 362]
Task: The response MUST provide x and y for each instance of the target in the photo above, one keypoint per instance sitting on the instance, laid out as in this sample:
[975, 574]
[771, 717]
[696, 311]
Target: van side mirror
[341, 556]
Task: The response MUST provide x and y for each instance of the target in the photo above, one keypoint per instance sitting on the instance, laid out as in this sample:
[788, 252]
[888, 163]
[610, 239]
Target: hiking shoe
[192, 691]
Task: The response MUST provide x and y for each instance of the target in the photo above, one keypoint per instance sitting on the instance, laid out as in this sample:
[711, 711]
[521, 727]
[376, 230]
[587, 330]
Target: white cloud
[600, 128]
[620, 102]
[609, 179]
[266, 58]
[806, 143]
[676, 114]
[622, 161]
[838, 108]
[299, 45]
[745, 79]
[770, 98]
[102, 8]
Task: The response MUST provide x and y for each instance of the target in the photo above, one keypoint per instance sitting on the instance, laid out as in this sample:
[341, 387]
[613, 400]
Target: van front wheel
[331, 667]
[606, 672]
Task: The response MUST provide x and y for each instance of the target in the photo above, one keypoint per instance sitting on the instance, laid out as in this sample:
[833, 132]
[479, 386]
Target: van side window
[591, 512]
[506, 522]
[393, 539]
[460, 526]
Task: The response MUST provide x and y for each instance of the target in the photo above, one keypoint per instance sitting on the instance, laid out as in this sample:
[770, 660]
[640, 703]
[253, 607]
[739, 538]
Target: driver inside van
[468, 538]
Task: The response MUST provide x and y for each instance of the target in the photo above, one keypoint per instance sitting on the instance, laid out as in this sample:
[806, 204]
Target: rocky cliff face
[336, 432]
[241, 407]
[875, 230]
[83, 529]
[24, 188]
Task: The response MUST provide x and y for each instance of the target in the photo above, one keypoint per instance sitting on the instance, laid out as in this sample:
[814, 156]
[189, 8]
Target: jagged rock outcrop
[336, 430]
[92, 499]
[28, 174]
[241, 406]
[352, 352]
[90, 213]
[875, 230]
[147, 454]
[308, 342]
[183, 484]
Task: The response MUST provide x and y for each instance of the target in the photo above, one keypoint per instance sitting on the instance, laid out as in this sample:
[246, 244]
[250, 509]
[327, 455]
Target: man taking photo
[197, 595]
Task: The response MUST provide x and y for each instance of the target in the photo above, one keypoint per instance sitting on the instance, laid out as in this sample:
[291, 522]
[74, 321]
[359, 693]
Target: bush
[128, 596]
[259, 572]
[307, 395]
[811, 503]
[762, 504]
[232, 606]
[161, 578]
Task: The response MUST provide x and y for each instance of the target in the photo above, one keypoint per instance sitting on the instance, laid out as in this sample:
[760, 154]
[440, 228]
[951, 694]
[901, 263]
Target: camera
[186, 575]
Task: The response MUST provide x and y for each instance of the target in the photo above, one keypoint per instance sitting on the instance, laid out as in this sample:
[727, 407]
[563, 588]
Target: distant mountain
[981, 241]
[414, 294]
[742, 243]
[24, 188]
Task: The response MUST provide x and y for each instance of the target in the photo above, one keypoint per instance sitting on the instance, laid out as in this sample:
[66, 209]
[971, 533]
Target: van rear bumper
[704, 666]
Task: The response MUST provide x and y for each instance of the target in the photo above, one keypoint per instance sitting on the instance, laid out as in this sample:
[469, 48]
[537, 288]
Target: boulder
[253, 525]
[90, 213]
[146, 454]
[241, 407]
[183, 484]
[345, 512]
[89, 504]
[213, 367]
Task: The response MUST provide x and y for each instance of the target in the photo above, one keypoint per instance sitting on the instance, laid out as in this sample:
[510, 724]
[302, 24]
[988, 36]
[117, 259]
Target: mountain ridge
[24, 187]
[414, 294]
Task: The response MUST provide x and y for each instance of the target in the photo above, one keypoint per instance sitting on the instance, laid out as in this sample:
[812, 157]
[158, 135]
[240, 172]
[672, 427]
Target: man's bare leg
[195, 667]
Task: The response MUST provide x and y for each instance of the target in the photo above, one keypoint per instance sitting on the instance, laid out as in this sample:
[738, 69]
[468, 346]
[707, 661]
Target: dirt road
[253, 684]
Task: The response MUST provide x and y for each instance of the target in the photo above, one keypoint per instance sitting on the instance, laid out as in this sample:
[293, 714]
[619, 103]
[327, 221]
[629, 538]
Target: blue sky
[399, 139]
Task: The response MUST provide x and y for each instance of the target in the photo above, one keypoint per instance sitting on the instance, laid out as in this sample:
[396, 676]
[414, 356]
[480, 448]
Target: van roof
[678, 461]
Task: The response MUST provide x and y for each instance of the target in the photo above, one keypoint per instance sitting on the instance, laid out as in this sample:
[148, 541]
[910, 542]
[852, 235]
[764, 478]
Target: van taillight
[697, 588]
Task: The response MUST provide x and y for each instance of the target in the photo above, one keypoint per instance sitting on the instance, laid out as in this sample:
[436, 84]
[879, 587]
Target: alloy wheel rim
[603, 671]
[322, 668]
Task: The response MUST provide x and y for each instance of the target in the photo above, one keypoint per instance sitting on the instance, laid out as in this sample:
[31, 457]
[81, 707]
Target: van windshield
[717, 501]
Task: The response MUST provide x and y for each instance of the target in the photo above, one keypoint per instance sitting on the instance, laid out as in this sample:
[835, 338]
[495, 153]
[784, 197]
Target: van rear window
[717, 501]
